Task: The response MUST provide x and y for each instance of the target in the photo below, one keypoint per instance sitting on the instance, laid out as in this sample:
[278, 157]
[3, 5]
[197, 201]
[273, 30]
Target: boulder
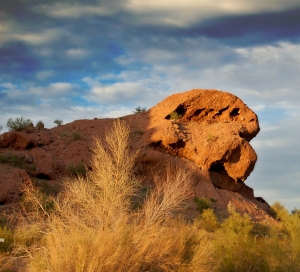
[206, 131]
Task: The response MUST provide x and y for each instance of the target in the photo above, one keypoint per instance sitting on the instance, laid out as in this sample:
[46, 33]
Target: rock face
[207, 131]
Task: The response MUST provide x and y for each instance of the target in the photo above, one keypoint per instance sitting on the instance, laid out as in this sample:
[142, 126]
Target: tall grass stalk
[94, 228]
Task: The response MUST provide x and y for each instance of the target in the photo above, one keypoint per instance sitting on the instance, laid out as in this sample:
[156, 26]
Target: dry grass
[92, 226]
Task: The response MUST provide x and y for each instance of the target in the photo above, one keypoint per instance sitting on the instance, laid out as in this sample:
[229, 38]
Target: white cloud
[263, 76]
[77, 53]
[52, 90]
[8, 85]
[186, 12]
[119, 91]
[12, 31]
[181, 13]
[63, 10]
[44, 74]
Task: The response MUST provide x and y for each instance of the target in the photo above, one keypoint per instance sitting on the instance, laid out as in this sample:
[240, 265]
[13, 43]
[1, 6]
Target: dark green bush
[76, 136]
[174, 115]
[202, 203]
[40, 125]
[140, 109]
[58, 122]
[77, 170]
[18, 124]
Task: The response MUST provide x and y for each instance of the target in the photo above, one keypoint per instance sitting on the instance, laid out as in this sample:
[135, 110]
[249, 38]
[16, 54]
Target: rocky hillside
[207, 131]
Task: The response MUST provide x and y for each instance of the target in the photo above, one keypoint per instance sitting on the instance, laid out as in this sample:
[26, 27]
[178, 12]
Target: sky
[73, 60]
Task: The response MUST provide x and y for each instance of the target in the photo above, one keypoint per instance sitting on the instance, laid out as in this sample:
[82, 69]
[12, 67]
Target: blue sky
[84, 59]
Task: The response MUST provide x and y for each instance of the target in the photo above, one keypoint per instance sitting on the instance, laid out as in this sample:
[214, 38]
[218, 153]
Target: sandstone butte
[211, 138]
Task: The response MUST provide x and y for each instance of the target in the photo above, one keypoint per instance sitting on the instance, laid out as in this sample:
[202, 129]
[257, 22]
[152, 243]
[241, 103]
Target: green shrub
[76, 136]
[64, 134]
[46, 186]
[202, 203]
[174, 115]
[77, 170]
[237, 223]
[58, 122]
[140, 109]
[17, 161]
[40, 125]
[4, 158]
[139, 132]
[211, 137]
[1, 127]
[207, 220]
[18, 124]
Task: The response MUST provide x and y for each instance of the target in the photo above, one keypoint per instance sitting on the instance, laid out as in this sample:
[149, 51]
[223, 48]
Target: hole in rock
[179, 144]
[221, 111]
[156, 144]
[210, 110]
[197, 112]
[218, 168]
[220, 177]
[31, 145]
[196, 116]
[43, 176]
[180, 110]
[234, 112]
[244, 135]
[3, 202]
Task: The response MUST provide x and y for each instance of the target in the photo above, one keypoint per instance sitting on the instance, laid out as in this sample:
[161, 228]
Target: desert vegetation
[40, 125]
[18, 123]
[140, 109]
[105, 220]
[58, 122]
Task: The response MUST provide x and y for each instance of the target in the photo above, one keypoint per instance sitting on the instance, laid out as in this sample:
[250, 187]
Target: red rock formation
[207, 131]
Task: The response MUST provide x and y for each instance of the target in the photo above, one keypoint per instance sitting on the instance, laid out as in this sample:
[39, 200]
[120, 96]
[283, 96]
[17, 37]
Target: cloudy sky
[84, 59]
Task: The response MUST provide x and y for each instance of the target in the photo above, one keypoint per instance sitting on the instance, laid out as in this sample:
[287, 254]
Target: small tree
[40, 125]
[1, 127]
[140, 109]
[58, 122]
[18, 124]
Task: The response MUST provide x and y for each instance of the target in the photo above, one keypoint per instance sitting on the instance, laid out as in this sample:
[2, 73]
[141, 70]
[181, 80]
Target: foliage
[95, 227]
[17, 161]
[237, 223]
[139, 132]
[4, 158]
[58, 122]
[207, 220]
[174, 115]
[76, 136]
[77, 170]
[1, 127]
[40, 125]
[18, 124]
[94, 223]
[211, 137]
[140, 109]
[202, 203]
